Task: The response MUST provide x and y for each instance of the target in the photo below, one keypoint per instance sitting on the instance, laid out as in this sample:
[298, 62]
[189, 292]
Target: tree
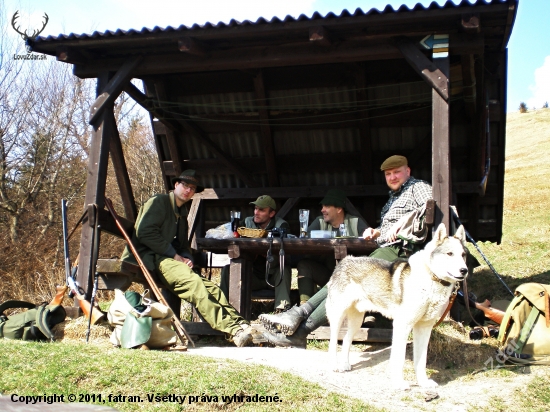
[522, 107]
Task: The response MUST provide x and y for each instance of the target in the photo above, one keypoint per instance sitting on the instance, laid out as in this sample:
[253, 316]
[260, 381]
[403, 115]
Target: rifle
[178, 327]
[75, 290]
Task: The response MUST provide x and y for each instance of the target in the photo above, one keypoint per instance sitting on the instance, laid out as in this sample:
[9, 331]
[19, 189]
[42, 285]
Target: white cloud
[541, 89]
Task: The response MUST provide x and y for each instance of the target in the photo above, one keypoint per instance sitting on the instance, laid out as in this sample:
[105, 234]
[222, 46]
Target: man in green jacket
[160, 237]
[317, 269]
[264, 217]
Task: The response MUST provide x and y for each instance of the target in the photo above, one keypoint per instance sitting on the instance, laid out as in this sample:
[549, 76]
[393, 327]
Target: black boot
[296, 340]
[286, 322]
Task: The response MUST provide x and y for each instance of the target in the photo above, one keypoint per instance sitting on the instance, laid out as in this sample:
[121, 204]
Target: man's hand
[183, 260]
[371, 234]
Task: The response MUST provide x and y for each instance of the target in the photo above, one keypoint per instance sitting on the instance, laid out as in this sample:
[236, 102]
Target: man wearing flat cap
[406, 195]
[160, 238]
[317, 269]
[264, 217]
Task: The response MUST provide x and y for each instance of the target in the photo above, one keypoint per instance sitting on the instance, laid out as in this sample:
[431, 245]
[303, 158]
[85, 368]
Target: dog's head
[447, 255]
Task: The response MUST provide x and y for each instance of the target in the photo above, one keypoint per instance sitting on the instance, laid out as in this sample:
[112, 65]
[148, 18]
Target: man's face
[184, 192]
[331, 214]
[397, 176]
[262, 215]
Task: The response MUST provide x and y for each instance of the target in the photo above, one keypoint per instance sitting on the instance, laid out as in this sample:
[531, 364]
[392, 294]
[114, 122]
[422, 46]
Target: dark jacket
[157, 232]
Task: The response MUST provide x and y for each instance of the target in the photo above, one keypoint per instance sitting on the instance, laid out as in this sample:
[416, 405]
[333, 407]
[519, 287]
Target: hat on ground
[188, 176]
[394, 161]
[334, 197]
[264, 201]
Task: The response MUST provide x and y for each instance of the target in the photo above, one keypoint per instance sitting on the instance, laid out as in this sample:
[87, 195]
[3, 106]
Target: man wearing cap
[317, 269]
[160, 237]
[264, 218]
[406, 194]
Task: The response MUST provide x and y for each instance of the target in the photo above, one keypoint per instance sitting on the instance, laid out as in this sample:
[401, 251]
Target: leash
[471, 240]
[451, 301]
[269, 259]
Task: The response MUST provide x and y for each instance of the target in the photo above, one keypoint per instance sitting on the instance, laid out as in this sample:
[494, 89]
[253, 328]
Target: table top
[357, 246]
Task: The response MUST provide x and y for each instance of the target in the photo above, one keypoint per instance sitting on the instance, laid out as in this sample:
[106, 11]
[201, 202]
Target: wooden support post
[240, 272]
[95, 188]
[441, 162]
[265, 130]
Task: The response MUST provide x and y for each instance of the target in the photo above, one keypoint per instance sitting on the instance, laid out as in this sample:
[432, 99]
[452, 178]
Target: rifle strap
[467, 302]
[78, 223]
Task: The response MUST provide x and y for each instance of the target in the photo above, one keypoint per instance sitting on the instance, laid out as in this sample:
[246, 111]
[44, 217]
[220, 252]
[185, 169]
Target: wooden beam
[121, 171]
[194, 131]
[265, 130]
[171, 135]
[69, 55]
[424, 67]
[287, 192]
[320, 35]
[362, 335]
[470, 23]
[113, 88]
[441, 165]
[469, 85]
[192, 46]
[289, 204]
[192, 217]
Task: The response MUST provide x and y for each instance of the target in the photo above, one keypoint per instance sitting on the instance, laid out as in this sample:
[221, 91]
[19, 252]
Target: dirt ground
[459, 390]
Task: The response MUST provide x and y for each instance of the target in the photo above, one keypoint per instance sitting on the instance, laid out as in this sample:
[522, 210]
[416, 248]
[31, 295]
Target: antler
[24, 34]
[13, 19]
[37, 32]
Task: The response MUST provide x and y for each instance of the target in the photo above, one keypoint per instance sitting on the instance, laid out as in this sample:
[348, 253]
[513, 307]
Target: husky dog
[414, 294]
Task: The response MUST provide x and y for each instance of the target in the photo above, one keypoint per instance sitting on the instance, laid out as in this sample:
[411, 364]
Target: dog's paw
[342, 367]
[428, 383]
[400, 385]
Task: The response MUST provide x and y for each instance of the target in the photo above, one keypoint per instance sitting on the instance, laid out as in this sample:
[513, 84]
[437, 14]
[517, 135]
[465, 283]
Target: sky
[528, 48]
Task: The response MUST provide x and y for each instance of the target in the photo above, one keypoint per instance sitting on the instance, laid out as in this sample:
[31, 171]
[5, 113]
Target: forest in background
[44, 140]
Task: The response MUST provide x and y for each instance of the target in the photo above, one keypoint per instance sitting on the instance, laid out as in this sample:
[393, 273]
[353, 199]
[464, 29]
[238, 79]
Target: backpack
[138, 320]
[524, 334]
[34, 324]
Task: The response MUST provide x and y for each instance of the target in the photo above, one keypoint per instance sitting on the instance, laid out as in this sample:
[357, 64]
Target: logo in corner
[24, 35]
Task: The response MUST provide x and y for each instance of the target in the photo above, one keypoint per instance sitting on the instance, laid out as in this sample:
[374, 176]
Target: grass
[30, 368]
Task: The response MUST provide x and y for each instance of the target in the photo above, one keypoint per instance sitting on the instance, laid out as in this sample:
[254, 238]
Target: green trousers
[205, 295]
[314, 271]
[282, 291]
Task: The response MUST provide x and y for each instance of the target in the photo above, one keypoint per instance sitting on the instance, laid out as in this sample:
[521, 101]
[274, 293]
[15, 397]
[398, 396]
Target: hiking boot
[243, 337]
[280, 339]
[286, 322]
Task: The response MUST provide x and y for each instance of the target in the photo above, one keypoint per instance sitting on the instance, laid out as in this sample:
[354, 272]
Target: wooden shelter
[293, 107]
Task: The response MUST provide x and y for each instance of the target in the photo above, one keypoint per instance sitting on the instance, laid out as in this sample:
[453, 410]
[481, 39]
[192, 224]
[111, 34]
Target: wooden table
[241, 251]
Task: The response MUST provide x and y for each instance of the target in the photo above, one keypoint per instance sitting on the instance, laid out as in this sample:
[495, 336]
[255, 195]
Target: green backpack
[524, 333]
[33, 324]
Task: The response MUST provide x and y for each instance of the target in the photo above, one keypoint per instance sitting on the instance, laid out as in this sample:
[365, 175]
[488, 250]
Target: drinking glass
[343, 230]
[304, 222]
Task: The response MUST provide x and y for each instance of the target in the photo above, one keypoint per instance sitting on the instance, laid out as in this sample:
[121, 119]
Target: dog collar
[443, 282]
